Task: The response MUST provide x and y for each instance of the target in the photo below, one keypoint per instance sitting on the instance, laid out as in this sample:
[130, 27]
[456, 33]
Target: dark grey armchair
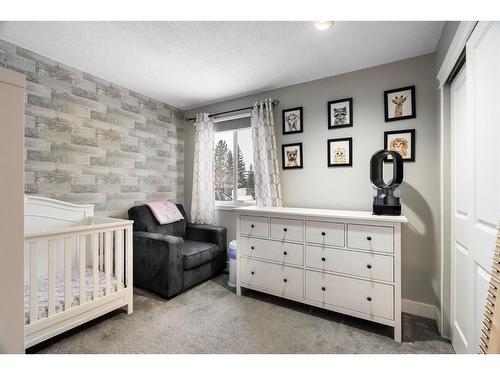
[170, 258]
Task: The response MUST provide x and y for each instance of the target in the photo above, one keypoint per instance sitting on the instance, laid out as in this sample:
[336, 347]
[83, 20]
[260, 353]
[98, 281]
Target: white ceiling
[189, 64]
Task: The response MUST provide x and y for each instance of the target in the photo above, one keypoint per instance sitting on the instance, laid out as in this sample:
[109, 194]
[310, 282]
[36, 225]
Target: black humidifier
[386, 195]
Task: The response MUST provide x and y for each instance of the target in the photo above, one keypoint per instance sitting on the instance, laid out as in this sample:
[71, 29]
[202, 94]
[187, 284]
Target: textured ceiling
[189, 64]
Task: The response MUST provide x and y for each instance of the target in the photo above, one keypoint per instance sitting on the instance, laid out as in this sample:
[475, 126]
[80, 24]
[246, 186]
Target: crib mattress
[43, 289]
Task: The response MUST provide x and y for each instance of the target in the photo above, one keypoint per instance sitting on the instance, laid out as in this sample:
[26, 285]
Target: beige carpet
[210, 318]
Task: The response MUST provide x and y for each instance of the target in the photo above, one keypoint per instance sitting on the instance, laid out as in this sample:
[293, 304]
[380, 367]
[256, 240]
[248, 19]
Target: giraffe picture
[400, 104]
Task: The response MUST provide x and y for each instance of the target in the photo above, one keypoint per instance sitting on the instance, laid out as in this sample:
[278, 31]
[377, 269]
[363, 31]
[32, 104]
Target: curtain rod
[274, 103]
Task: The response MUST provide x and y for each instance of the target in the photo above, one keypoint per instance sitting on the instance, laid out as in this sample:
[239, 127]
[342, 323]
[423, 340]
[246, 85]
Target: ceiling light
[323, 25]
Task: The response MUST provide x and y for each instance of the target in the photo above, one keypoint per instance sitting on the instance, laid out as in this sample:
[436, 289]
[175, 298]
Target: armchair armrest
[158, 262]
[207, 233]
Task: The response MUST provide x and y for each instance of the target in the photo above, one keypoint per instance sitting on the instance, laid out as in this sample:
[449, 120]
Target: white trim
[421, 309]
[233, 117]
[456, 47]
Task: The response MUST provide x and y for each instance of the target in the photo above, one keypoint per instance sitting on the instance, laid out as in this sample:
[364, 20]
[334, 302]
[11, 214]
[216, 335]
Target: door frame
[457, 46]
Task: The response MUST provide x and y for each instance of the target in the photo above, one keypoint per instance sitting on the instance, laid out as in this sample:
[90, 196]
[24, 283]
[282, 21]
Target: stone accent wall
[90, 141]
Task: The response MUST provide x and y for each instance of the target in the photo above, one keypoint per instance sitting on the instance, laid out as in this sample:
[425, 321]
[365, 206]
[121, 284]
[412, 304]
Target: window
[233, 167]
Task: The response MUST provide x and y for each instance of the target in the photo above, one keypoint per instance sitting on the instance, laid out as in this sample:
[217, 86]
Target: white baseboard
[420, 309]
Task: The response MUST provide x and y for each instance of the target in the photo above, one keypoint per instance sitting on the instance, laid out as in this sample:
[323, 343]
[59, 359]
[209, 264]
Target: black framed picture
[340, 113]
[339, 152]
[402, 141]
[291, 154]
[399, 104]
[292, 120]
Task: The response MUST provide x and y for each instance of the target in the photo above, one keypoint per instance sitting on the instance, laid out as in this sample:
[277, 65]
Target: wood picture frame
[290, 161]
[343, 117]
[292, 120]
[394, 109]
[404, 144]
[338, 156]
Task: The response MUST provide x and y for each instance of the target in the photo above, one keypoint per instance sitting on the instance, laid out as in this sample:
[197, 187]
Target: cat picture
[339, 152]
[340, 113]
[292, 120]
[292, 156]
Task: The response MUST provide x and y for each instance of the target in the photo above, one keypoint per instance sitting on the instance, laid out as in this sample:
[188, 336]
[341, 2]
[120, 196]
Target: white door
[475, 131]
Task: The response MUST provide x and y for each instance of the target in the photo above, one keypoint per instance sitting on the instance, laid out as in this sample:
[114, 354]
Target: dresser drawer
[358, 295]
[372, 266]
[287, 229]
[254, 226]
[325, 233]
[370, 237]
[278, 251]
[279, 279]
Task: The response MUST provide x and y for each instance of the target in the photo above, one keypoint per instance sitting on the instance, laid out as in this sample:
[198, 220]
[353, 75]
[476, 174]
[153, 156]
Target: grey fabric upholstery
[172, 257]
[197, 253]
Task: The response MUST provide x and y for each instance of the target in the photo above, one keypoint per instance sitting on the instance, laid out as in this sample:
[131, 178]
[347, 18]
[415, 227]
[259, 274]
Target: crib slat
[119, 254]
[67, 273]
[108, 267]
[95, 264]
[52, 277]
[82, 268]
[101, 251]
[33, 282]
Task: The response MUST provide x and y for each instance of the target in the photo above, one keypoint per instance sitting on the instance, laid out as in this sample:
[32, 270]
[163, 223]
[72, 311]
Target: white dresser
[345, 261]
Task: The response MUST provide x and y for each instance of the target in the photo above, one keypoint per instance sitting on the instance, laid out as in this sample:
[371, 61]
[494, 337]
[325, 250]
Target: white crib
[77, 266]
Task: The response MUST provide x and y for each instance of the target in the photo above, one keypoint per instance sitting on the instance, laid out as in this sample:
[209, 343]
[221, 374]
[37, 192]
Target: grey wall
[90, 141]
[316, 185]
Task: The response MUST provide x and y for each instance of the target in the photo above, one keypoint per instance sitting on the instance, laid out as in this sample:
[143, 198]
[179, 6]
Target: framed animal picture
[292, 156]
[340, 152]
[402, 141]
[340, 113]
[292, 120]
[400, 104]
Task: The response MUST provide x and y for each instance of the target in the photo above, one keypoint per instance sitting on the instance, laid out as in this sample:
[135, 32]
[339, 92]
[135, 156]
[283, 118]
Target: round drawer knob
[285, 280]
[323, 233]
[369, 266]
[369, 238]
[285, 229]
[285, 253]
[253, 273]
[252, 226]
[323, 259]
[323, 288]
[369, 298]
[252, 247]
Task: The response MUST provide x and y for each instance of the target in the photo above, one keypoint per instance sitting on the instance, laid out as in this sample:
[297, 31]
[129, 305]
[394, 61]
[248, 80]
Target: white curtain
[203, 197]
[265, 156]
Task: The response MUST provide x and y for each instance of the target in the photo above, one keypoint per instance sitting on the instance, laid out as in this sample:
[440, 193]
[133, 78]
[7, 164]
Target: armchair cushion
[144, 221]
[196, 253]
[207, 233]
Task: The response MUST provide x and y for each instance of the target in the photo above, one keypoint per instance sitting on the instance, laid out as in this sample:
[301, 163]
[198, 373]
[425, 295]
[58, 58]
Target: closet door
[475, 94]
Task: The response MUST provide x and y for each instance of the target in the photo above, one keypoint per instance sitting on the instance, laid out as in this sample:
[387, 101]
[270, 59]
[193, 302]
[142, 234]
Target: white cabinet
[345, 261]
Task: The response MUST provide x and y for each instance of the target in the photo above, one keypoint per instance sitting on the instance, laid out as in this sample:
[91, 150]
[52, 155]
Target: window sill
[230, 207]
